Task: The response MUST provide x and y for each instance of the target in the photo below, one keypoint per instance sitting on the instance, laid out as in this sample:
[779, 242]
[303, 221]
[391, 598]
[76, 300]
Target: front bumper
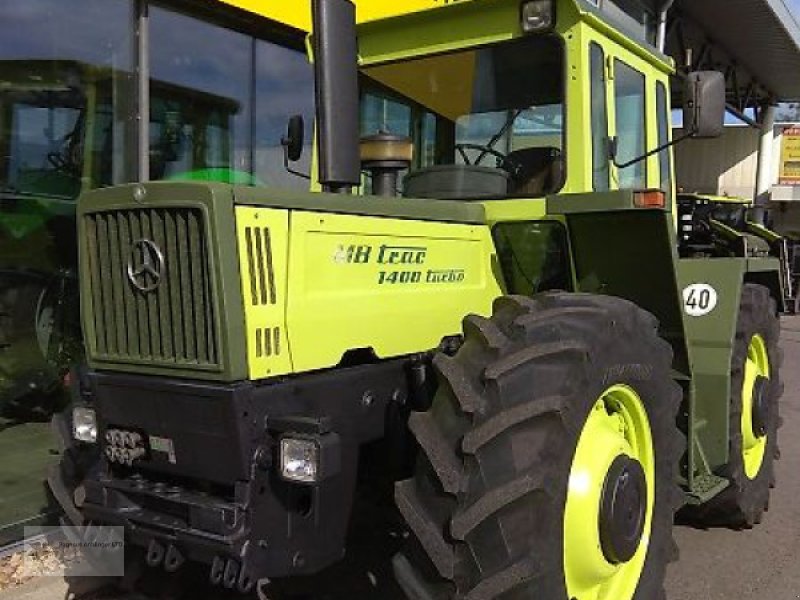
[215, 496]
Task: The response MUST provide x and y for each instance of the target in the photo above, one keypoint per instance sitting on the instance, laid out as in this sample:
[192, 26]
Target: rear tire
[751, 469]
[492, 500]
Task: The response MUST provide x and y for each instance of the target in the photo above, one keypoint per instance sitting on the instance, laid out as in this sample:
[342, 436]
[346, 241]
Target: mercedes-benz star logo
[145, 265]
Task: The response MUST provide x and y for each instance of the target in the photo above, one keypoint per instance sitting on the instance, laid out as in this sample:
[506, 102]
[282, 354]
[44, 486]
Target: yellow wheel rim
[617, 428]
[753, 446]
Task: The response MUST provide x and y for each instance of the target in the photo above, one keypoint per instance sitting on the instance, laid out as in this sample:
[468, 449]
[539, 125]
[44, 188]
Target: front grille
[172, 320]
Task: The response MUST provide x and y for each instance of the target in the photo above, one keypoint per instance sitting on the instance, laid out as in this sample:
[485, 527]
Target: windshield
[43, 140]
[495, 111]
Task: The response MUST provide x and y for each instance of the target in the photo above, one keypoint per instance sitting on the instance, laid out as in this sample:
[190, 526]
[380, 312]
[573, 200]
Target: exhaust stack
[336, 73]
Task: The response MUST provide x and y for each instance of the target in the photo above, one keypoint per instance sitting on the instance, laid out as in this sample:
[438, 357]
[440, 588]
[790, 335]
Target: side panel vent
[261, 265]
[268, 341]
[263, 237]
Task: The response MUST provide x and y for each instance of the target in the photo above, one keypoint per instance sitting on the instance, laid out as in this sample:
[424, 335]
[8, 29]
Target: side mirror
[292, 142]
[704, 104]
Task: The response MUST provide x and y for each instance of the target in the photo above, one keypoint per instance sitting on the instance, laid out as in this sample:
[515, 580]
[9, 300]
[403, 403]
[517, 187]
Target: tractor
[493, 310]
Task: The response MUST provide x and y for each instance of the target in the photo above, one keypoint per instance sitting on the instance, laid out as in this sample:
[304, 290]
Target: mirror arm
[290, 170]
[612, 150]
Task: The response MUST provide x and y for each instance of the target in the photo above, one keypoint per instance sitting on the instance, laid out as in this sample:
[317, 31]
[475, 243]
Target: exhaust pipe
[336, 72]
[155, 554]
[173, 560]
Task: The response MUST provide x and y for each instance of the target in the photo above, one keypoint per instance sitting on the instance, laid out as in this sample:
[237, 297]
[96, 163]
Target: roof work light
[538, 16]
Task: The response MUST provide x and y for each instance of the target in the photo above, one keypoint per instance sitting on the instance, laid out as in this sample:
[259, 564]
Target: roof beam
[694, 50]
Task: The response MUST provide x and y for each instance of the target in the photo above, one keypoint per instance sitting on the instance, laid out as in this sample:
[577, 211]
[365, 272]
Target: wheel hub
[623, 510]
[610, 504]
[760, 406]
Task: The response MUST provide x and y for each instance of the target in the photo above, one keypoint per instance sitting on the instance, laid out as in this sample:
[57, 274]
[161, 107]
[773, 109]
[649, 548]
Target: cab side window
[665, 156]
[630, 110]
[599, 112]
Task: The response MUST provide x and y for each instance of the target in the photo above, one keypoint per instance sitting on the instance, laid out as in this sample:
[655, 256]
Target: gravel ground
[43, 560]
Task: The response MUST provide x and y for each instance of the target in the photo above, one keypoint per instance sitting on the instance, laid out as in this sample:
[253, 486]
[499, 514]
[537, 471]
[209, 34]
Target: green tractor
[516, 335]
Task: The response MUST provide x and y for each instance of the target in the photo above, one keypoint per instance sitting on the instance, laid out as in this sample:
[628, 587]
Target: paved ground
[762, 564]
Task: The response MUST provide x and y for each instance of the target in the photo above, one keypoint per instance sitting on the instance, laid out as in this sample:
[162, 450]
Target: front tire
[550, 410]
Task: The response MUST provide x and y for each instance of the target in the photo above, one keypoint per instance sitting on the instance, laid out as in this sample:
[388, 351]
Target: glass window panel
[665, 156]
[599, 108]
[534, 256]
[427, 145]
[284, 87]
[629, 90]
[65, 110]
[67, 124]
[200, 100]
[383, 115]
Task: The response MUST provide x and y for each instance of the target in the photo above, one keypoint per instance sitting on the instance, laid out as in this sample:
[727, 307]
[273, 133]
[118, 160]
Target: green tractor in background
[515, 343]
[60, 135]
[42, 130]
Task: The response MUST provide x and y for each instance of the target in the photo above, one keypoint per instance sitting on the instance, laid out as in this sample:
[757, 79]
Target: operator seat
[538, 171]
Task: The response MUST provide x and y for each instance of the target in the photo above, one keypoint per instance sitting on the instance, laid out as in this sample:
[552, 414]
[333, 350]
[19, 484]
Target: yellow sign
[790, 157]
[298, 14]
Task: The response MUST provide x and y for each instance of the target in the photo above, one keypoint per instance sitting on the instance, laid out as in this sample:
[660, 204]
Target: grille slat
[129, 303]
[97, 297]
[151, 299]
[208, 302]
[174, 280]
[164, 299]
[174, 324]
[142, 322]
[190, 350]
[198, 301]
[115, 281]
[105, 285]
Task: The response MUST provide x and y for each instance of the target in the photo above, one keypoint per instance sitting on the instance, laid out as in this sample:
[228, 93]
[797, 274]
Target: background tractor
[512, 342]
[57, 139]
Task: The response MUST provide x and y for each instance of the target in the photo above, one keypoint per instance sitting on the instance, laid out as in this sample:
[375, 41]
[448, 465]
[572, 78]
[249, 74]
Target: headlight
[538, 16]
[84, 424]
[299, 460]
[309, 458]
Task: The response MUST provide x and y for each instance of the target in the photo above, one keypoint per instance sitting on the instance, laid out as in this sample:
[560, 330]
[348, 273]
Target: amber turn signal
[650, 199]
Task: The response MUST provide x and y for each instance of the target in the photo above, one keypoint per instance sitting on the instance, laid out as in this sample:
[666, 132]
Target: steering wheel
[503, 160]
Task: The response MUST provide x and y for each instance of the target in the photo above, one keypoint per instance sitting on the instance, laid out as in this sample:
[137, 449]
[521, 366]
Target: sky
[794, 6]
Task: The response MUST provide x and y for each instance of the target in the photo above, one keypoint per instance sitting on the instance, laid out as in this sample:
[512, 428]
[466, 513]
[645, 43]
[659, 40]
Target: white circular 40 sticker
[699, 299]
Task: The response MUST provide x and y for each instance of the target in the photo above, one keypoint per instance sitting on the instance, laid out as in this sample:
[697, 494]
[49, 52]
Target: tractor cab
[490, 107]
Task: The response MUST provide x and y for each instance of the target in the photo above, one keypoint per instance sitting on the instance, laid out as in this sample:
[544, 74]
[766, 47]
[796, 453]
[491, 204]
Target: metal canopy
[756, 43]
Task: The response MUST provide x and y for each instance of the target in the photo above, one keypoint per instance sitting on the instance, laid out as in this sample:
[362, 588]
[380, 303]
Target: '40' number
[699, 299]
